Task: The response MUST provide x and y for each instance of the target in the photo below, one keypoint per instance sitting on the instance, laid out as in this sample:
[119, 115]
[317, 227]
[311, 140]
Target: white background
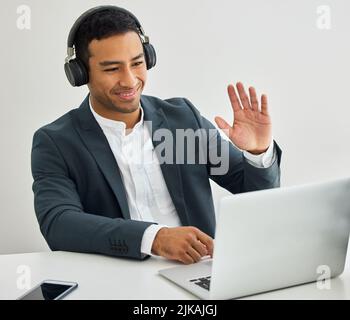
[201, 46]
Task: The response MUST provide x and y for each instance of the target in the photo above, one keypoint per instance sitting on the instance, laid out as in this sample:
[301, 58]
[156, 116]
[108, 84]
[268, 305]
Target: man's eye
[116, 69]
[112, 69]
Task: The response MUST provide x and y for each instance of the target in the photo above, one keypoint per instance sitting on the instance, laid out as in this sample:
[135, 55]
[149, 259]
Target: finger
[200, 247]
[186, 258]
[236, 106]
[224, 126]
[243, 96]
[253, 99]
[210, 247]
[264, 108]
[206, 240]
[194, 254]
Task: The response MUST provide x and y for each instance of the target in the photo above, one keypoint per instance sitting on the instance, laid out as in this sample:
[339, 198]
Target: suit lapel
[96, 142]
[171, 172]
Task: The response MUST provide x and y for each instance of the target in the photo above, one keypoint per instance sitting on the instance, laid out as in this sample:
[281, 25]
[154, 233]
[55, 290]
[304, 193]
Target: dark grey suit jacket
[79, 197]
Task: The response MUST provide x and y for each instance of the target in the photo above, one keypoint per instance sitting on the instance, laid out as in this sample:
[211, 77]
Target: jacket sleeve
[62, 219]
[234, 172]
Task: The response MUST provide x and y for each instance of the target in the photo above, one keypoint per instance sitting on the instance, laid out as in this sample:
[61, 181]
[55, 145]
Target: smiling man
[116, 85]
[94, 191]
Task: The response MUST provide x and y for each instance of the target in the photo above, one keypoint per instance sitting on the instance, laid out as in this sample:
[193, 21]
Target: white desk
[102, 277]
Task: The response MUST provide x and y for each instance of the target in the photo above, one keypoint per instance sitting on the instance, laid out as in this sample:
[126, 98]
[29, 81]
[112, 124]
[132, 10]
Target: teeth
[127, 94]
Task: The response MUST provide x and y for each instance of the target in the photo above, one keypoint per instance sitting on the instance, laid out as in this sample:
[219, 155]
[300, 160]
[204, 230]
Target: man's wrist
[263, 160]
[257, 152]
[156, 246]
[148, 238]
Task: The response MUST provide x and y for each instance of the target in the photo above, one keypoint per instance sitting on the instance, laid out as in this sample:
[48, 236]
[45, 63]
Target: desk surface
[103, 277]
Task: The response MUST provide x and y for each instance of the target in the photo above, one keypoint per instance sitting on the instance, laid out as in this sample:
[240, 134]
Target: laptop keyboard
[202, 282]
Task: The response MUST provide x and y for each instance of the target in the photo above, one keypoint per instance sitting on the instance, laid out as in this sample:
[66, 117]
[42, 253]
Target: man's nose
[128, 79]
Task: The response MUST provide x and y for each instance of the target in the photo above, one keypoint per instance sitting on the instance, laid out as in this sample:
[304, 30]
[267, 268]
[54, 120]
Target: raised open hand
[251, 129]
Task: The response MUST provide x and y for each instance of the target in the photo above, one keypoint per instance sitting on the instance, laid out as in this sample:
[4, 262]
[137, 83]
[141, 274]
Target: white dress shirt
[147, 194]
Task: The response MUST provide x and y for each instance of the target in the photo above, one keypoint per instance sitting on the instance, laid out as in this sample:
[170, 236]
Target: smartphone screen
[49, 290]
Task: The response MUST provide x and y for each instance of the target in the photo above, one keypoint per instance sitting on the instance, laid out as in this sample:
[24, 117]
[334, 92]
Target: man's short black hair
[101, 25]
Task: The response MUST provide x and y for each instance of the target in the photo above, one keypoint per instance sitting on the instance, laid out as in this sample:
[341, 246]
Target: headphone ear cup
[150, 55]
[76, 72]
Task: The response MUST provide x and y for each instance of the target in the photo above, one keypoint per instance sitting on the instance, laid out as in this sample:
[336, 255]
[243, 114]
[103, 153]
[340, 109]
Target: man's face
[117, 67]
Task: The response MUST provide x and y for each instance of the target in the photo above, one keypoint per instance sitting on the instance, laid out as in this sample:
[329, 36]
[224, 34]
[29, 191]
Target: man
[90, 194]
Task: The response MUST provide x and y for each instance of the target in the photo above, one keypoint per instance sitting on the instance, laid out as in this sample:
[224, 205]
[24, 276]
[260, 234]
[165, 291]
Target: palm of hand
[251, 129]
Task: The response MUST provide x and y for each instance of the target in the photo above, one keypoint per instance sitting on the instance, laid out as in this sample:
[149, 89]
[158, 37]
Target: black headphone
[75, 69]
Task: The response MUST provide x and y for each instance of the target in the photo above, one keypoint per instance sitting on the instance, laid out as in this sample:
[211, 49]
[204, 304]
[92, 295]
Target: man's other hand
[185, 244]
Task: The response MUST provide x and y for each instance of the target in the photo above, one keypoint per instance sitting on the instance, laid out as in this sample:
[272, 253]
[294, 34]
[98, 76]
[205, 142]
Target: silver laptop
[272, 239]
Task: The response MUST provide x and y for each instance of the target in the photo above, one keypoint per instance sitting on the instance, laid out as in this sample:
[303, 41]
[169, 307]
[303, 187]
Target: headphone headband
[88, 13]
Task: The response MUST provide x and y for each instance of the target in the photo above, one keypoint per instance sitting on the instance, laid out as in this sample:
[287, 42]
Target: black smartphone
[49, 290]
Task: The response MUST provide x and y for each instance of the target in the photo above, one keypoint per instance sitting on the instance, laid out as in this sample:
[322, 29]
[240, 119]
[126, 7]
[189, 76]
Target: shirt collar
[118, 126]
